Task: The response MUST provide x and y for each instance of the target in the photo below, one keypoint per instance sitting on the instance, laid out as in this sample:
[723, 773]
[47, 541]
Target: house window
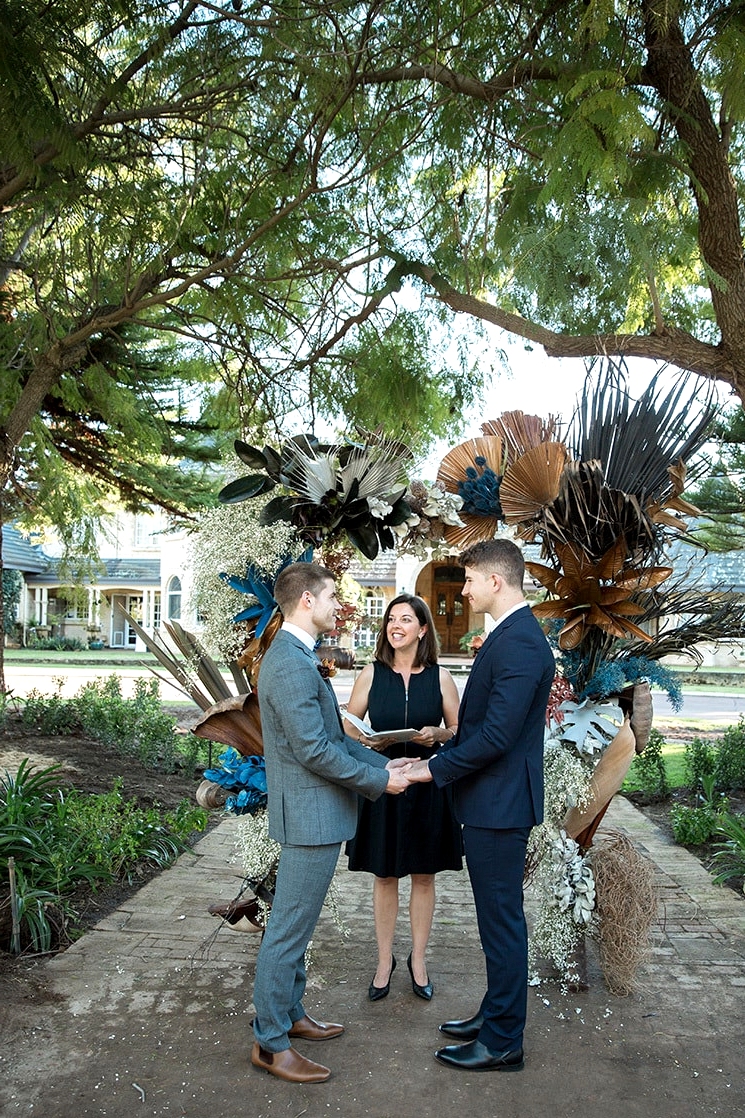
[156, 611]
[174, 599]
[367, 634]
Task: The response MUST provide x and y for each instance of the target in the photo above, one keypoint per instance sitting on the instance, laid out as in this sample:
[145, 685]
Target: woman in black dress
[413, 834]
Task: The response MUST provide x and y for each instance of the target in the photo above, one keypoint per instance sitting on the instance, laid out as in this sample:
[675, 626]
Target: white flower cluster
[379, 507]
[230, 539]
[259, 854]
[445, 506]
[567, 779]
[433, 508]
[574, 883]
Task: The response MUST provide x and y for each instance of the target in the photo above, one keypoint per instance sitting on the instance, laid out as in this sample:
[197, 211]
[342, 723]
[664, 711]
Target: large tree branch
[674, 346]
[149, 292]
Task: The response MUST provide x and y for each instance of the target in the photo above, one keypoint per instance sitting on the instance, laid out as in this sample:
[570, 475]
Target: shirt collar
[508, 613]
[301, 634]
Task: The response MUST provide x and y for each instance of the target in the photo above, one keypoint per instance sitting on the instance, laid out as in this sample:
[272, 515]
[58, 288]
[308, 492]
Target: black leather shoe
[425, 991]
[376, 993]
[468, 1029]
[475, 1056]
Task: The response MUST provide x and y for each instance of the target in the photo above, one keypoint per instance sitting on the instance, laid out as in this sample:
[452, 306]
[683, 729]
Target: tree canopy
[218, 204]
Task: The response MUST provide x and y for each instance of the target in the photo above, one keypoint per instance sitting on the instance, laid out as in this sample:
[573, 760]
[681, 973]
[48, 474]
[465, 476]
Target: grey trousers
[303, 879]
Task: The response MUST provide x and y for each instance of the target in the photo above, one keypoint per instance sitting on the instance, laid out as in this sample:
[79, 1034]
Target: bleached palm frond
[377, 469]
[312, 474]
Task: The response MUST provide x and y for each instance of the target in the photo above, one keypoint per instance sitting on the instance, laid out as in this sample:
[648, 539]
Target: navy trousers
[496, 866]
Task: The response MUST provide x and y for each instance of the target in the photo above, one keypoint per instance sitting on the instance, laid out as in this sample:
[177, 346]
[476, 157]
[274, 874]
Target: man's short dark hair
[499, 556]
[295, 579]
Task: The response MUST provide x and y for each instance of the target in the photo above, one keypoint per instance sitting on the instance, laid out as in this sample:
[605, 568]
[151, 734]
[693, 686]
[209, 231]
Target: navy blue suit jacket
[495, 761]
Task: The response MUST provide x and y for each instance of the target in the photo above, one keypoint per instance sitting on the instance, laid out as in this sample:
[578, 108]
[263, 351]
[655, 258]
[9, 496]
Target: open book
[389, 735]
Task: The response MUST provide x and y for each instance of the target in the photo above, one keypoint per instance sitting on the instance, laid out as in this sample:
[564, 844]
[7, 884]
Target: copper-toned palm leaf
[607, 778]
[520, 432]
[547, 576]
[616, 624]
[572, 635]
[532, 482]
[658, 510]
[644, 580]
[474, 529]
[453, 470]
[234, 721]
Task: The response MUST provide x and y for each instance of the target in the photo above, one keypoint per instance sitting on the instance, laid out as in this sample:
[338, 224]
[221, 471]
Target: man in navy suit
[494, 765]
[314, 775]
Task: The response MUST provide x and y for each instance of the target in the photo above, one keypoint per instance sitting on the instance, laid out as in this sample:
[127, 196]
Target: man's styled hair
[499, 556]
[295, 579]
[428, 646]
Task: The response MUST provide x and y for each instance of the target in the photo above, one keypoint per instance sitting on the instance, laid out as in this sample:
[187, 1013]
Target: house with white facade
[145, 573]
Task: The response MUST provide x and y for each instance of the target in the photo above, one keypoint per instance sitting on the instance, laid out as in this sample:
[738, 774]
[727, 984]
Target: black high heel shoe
[376, 993]
[425, 991]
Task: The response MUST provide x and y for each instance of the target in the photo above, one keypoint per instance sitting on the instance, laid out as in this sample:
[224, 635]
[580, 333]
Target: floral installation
[352, 491]
[433, 510]
[602, 502]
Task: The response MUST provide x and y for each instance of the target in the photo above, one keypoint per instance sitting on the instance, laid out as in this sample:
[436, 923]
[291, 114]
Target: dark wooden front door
[449, 609]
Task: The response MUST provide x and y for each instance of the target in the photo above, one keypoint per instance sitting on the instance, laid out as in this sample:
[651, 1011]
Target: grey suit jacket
[314, 771]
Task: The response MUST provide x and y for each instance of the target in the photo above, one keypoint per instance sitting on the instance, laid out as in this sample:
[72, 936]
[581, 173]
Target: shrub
[59, 842]
[50, 714]
[648, 770]
[700, 760]
[136, 727]
[729, 858]
[729, 769]
[119, 835]
[693, 826]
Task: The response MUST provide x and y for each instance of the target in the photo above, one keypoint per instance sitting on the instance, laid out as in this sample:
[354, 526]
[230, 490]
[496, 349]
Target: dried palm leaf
[532, 482]
[473, 529]
[520, 432]
[587, 508]
[234, 721]
[657, 511]
[635, 443]
[452, 473]
[453, 467]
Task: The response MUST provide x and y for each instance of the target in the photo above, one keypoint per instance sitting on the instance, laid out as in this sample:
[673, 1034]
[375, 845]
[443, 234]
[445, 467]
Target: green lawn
[673, 754]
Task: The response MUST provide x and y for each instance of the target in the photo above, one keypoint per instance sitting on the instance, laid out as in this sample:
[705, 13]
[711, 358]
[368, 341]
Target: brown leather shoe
[308, 1029]
[289, 1065]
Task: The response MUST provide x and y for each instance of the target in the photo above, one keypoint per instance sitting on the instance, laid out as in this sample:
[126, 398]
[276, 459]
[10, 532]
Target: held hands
[398, 774]
[419, 773]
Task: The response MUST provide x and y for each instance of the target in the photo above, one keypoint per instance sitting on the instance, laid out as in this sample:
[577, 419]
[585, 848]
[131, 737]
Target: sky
[541, 385]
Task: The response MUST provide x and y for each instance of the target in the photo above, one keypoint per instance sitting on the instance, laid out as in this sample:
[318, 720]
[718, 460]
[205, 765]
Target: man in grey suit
[314, 775]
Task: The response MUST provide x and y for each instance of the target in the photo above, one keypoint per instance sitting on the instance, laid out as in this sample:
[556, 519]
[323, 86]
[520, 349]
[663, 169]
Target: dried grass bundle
[626, 908]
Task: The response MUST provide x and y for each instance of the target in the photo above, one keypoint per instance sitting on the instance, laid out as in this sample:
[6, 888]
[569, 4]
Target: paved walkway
[149, 1012]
